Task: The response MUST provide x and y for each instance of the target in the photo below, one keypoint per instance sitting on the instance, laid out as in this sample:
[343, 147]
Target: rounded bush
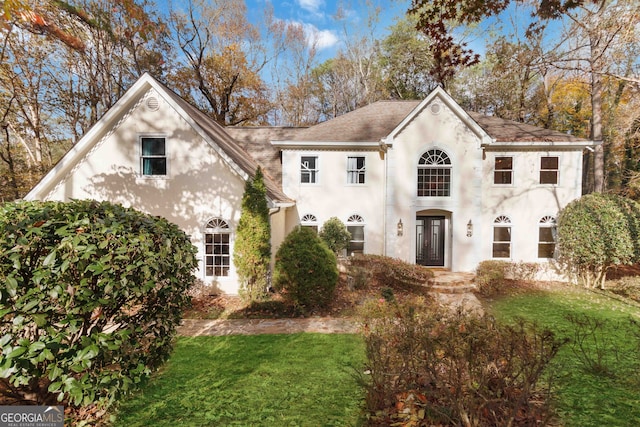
[306, 270]
[596, 232]
[335, 235]
[92, 296]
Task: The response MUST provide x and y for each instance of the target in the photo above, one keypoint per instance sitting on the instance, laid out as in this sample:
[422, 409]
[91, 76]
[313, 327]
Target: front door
[430, 241]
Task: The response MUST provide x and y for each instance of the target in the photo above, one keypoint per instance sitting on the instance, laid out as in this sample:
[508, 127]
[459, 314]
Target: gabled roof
[383, 120]
[235, 156]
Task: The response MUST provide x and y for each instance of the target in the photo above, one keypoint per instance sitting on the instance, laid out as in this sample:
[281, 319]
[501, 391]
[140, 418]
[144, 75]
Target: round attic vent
[435, 108]
[153, 103]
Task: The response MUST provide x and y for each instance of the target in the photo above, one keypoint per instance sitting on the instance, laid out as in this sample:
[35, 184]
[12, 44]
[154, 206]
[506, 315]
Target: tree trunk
[596, 131]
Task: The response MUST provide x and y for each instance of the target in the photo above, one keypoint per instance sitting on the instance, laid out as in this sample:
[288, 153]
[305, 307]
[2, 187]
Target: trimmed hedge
[92, 296]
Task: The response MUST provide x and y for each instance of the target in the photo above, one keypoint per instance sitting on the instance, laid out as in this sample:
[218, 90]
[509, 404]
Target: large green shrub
[597, 232]
[306, 271]
[252, 249]
[335, 235]
[91, 297]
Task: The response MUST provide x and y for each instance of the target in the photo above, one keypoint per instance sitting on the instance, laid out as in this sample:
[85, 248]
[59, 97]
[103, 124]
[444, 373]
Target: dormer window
[153, 159]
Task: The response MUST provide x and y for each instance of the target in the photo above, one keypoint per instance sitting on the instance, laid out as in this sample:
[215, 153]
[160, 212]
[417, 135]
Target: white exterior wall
[527, 201]
[333, 196]
[444, 131]
[199, 185]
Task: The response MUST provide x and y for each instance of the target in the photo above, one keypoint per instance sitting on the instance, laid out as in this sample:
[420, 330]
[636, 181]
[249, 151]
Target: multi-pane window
[549, 170]
[355, 226]
[546, 237]
[154, 156]
[355, 170]
[503, 171]
[309, 221]
[434, 174]
[217, 248]
[502, 237]
[309, 169]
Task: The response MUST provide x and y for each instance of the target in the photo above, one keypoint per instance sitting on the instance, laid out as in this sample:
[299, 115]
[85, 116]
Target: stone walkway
[453, 290]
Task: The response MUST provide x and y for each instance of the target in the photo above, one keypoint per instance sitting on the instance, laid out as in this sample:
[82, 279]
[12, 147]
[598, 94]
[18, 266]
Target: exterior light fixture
[400, 228]
[469, 229]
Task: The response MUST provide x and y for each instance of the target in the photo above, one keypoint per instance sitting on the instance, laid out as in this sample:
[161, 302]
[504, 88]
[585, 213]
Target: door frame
[444, 236]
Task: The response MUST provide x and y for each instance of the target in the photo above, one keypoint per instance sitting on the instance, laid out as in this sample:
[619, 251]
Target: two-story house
[423, 181]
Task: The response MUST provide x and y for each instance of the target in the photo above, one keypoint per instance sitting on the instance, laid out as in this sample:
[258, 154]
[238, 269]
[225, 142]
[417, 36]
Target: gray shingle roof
[256, 141]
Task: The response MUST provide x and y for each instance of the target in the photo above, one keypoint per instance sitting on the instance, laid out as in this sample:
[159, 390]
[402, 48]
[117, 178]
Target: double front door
[430, 232]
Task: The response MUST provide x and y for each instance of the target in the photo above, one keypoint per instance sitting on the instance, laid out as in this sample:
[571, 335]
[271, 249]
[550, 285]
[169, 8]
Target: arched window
[434, 174]
[310, 221]
[546, 237]
[217, 248]
[502, 237]
[355, 226]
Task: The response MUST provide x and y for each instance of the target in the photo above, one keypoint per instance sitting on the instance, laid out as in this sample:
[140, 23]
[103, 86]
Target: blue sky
[318, 17]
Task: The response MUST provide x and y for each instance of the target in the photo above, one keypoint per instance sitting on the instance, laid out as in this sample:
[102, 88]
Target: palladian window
[217, 248]
[434, 174]
[502, 237]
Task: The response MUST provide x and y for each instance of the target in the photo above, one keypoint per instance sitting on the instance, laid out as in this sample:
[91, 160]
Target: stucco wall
[333, 196]
[199, 185]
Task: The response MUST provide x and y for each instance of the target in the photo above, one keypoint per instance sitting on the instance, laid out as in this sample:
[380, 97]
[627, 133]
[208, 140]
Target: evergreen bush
[252, 249]
[306, 270]
[335, 235]
[92, 295]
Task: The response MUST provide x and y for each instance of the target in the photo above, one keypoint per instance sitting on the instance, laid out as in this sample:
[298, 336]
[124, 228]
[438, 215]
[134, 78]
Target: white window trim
[356, 184]
[208, 230]
[445, 166]
[317, 169]
[494, 170]
[502, 221]
[309, 220]
[539, 170]
[547, 221]
[356, 220]
[166, 155]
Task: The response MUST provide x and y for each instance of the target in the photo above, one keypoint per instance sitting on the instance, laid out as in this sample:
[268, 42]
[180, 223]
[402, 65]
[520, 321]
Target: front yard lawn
[610, 397]
[261, 380]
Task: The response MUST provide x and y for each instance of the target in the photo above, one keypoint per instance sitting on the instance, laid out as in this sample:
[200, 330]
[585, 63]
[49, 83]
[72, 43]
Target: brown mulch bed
[344, 303]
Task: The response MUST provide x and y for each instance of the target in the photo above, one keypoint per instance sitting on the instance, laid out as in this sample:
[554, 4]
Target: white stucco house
[423, 181]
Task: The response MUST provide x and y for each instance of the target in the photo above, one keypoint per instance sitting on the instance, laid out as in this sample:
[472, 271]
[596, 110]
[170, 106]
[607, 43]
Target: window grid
[503, 171]
[217, 248]
[308, 169]
[502, 237]
[546, 237]
[355, 226]
[153, 157]
[434, 174]
[309, 221]
[356, 170]
[549, 170]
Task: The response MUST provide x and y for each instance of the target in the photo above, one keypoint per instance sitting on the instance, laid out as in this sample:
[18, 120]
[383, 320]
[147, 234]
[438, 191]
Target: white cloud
[322, 39]
[312, 6]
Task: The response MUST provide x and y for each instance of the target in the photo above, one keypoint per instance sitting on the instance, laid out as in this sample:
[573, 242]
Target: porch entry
[430, 232]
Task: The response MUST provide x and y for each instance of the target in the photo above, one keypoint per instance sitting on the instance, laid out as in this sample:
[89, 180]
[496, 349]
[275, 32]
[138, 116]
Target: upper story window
[549, 170]
[503, 170]
[502, 237]
[355, 226]
[546, 237]
[309, 221]
[217, 248]
[434, 174]
[154, 156]
[355, 170]
[309, 169]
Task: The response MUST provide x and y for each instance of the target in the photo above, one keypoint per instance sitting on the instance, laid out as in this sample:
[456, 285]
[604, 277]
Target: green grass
[586, 398]
[261, 380]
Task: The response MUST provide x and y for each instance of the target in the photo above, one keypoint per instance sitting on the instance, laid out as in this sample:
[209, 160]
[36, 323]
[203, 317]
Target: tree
[598, 26]
[252, 250]
[223, 58]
